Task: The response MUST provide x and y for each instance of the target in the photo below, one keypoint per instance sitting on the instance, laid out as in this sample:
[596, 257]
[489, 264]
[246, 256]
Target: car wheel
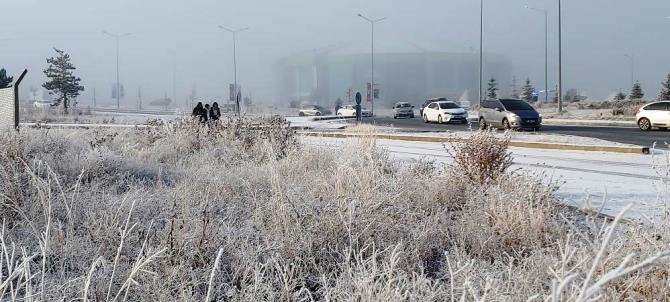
[536, 129]
[395, 117]
[439, 119]
[506, 124]
[318, 114]
[301, 114]
[482, 124]
[425, 118]
[411, 116]
[644, 124]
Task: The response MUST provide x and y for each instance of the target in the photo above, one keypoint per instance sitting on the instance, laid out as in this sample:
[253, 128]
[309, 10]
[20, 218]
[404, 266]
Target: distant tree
[62, 83]
[620, 96]
[636, 93]
[5, 81]
[492, 90]
[665, 90]
[527, 91]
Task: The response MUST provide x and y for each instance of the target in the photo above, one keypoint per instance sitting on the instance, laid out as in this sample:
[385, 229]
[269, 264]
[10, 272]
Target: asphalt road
[615, 134]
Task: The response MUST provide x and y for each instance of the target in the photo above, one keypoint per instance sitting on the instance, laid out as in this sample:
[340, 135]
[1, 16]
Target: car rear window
[448, 106]
[657, 106]
[513, 105]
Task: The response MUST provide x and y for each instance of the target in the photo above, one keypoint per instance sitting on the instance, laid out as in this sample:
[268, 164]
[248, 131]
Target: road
[623, 135]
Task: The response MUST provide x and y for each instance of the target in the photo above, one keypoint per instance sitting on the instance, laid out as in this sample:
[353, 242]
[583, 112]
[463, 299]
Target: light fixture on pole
[235, 88]
[546, 50]
[117, 38]
[372, 84]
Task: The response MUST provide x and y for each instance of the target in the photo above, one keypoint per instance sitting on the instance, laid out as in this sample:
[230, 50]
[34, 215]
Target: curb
[533, 145]
[604, 123]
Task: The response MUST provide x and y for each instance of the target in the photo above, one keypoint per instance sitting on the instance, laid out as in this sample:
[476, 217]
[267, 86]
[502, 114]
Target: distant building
[322, 78]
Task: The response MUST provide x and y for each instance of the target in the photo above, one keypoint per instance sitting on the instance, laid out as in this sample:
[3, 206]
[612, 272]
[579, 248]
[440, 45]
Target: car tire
[318, 114]
[506, 124]
[440, 120]
[536, 129]
[301, 114]
[425, 119]
[644, 124]
[395, 117]
[465, 121]
[482, 124]
[411, 116]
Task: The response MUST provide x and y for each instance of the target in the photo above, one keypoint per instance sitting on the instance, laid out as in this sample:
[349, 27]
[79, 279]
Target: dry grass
[241, 212]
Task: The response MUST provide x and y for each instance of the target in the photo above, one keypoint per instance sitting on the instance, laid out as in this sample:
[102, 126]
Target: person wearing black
[215, 112]
[197, 111]
[204, 114]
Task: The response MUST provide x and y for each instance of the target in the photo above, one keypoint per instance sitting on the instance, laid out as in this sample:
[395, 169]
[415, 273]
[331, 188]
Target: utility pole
[117, 38]
[546, 50]
[372, 84]
[237, 91]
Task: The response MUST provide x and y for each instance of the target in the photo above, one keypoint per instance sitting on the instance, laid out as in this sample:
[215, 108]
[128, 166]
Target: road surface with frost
[586, 178]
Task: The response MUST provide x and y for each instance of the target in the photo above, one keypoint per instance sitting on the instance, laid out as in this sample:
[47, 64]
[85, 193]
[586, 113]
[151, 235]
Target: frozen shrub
[480, 158]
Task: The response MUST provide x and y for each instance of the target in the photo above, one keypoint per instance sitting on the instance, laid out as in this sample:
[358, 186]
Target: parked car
[654, 115]
[444, 112]
[43, 104]
[509, 114]
[428, 101]
[403, 109]
[350, 110]
[313, 110]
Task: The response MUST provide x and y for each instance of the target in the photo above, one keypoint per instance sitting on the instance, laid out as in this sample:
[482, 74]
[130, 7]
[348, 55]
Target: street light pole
[632, 68]
[481, 51]
[117, 38]
[546, 51]
[560, 60]
[372, 23]
[234, 32]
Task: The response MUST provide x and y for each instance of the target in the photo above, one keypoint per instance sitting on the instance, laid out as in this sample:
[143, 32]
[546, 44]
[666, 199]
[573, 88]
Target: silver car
[509, 114]
[403, 109]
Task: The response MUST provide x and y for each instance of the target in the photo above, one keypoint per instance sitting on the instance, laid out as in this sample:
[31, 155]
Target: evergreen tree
[492, 90]
[620, 96]
[665, 90]
[62, 82]
[4, 79]
[527, 91]
[636, 93]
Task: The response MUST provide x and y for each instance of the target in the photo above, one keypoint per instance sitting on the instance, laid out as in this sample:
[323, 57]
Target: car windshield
[514, 105]
[403, 105]
[448, 106]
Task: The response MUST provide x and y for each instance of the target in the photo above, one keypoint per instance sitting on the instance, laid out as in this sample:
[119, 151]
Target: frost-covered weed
[240, 212]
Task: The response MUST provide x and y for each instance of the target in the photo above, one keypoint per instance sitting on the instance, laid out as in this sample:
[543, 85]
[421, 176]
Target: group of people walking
[206, 113]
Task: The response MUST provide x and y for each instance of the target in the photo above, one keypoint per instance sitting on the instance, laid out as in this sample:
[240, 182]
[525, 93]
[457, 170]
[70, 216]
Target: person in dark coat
[197, 111]
[215, 112]
[204, 114]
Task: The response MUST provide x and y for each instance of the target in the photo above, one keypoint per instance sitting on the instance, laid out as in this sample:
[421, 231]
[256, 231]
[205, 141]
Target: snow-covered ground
[586, 178]
[310, 123]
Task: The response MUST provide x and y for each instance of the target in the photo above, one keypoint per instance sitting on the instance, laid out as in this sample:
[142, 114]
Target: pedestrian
[337, 107]
[204, 114]
[215, 112]
[197, 111]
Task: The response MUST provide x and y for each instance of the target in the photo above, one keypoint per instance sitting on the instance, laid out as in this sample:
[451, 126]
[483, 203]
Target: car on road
[313, 110]
[350, 110]
[428, 101]
[444, 112]
[403, 109]
[654, 115]
[509, 114]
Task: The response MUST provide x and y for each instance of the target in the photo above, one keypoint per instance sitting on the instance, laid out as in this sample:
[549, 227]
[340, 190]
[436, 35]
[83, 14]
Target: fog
[183, 36]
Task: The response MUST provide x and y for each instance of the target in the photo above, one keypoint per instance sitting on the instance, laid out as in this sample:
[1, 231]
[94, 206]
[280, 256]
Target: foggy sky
[165, 33]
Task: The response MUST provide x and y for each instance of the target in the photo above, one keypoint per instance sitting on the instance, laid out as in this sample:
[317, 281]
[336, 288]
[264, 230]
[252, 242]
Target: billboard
[376, 92]
[7, 110]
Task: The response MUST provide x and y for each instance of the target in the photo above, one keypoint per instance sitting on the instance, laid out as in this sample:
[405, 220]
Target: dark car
[428, 101]
[509, 114]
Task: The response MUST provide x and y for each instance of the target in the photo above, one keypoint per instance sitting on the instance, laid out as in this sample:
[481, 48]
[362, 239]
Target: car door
[434, 111]
[498, 113]
[663, 115]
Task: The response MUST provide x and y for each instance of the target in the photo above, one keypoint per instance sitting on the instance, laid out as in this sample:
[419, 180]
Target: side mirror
[498, 109]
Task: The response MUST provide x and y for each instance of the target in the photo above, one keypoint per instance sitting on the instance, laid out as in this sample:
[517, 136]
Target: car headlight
[514, 117]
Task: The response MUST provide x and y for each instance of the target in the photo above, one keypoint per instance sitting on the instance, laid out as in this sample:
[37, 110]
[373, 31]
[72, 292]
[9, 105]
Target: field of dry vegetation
[241, 212]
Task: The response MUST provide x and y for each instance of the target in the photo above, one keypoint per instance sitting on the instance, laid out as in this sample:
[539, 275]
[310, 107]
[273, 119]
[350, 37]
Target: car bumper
[457, 118]
[526, 124]
[404, 113]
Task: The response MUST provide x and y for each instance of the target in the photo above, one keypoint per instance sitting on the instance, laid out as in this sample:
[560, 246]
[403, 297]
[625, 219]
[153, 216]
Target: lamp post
[481, 51]
[632, 67]
[546, 50]
[372, 23]
[117, 38]
[234, 32]
[560, 60]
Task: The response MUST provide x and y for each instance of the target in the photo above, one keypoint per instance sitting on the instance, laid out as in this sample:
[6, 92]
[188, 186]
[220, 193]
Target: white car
[43, 104]
[444, 112]
[313, 110]
[654, 115]
[350, 110]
